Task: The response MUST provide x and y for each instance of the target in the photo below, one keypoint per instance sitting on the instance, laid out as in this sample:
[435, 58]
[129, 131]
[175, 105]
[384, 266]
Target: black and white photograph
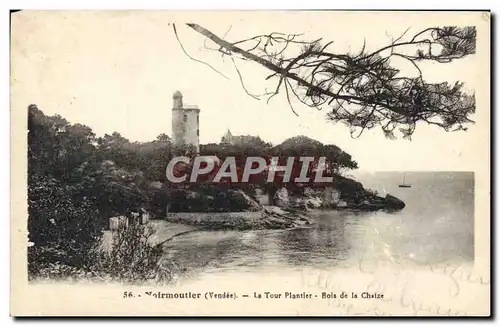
[260, 163]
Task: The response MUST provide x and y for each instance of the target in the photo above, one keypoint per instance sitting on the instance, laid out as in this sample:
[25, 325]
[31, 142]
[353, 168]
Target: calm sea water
[436, 226]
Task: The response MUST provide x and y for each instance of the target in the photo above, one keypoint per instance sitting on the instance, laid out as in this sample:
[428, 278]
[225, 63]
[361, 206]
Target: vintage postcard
[281, 163]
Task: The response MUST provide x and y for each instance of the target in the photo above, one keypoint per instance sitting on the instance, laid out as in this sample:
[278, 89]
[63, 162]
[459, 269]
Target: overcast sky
[117, 71]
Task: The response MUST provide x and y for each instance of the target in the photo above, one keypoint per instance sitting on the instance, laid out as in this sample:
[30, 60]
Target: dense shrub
[132, 259]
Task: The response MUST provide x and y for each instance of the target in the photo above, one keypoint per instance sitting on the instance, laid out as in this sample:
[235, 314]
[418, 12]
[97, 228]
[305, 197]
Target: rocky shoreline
[270, 217]
[273, 217]
[236, 209]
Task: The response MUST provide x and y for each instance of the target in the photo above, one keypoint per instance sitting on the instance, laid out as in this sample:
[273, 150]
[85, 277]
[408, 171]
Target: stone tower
[185, 123]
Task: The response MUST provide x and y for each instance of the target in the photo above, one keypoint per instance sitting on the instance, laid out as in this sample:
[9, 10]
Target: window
[198, 119]
[198, 132]
[185, 118]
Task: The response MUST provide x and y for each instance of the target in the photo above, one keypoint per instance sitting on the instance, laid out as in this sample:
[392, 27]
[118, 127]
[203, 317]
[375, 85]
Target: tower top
[177, 94]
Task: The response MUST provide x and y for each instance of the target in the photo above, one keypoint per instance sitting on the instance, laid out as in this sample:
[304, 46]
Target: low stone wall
[269, 218]
[232, 220]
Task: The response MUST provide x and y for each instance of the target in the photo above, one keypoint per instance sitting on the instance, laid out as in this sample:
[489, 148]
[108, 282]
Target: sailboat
[404, 185]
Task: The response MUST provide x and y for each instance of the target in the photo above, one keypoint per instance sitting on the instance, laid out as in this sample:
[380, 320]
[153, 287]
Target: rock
[281, 198]
[314, 202]
[342, 204]
[392, 202]
[244, 201]
[281, 223]
[275, 210]
[301, 222]
[308, 192]
[371, 206]
[330, 197]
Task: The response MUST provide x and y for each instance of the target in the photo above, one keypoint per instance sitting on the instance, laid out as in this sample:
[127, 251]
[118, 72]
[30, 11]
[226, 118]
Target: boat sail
[404, 185]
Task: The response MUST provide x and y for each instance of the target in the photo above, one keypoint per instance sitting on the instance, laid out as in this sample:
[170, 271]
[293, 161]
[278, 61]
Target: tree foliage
[336, 163]
[337, 160]
[364, 89]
